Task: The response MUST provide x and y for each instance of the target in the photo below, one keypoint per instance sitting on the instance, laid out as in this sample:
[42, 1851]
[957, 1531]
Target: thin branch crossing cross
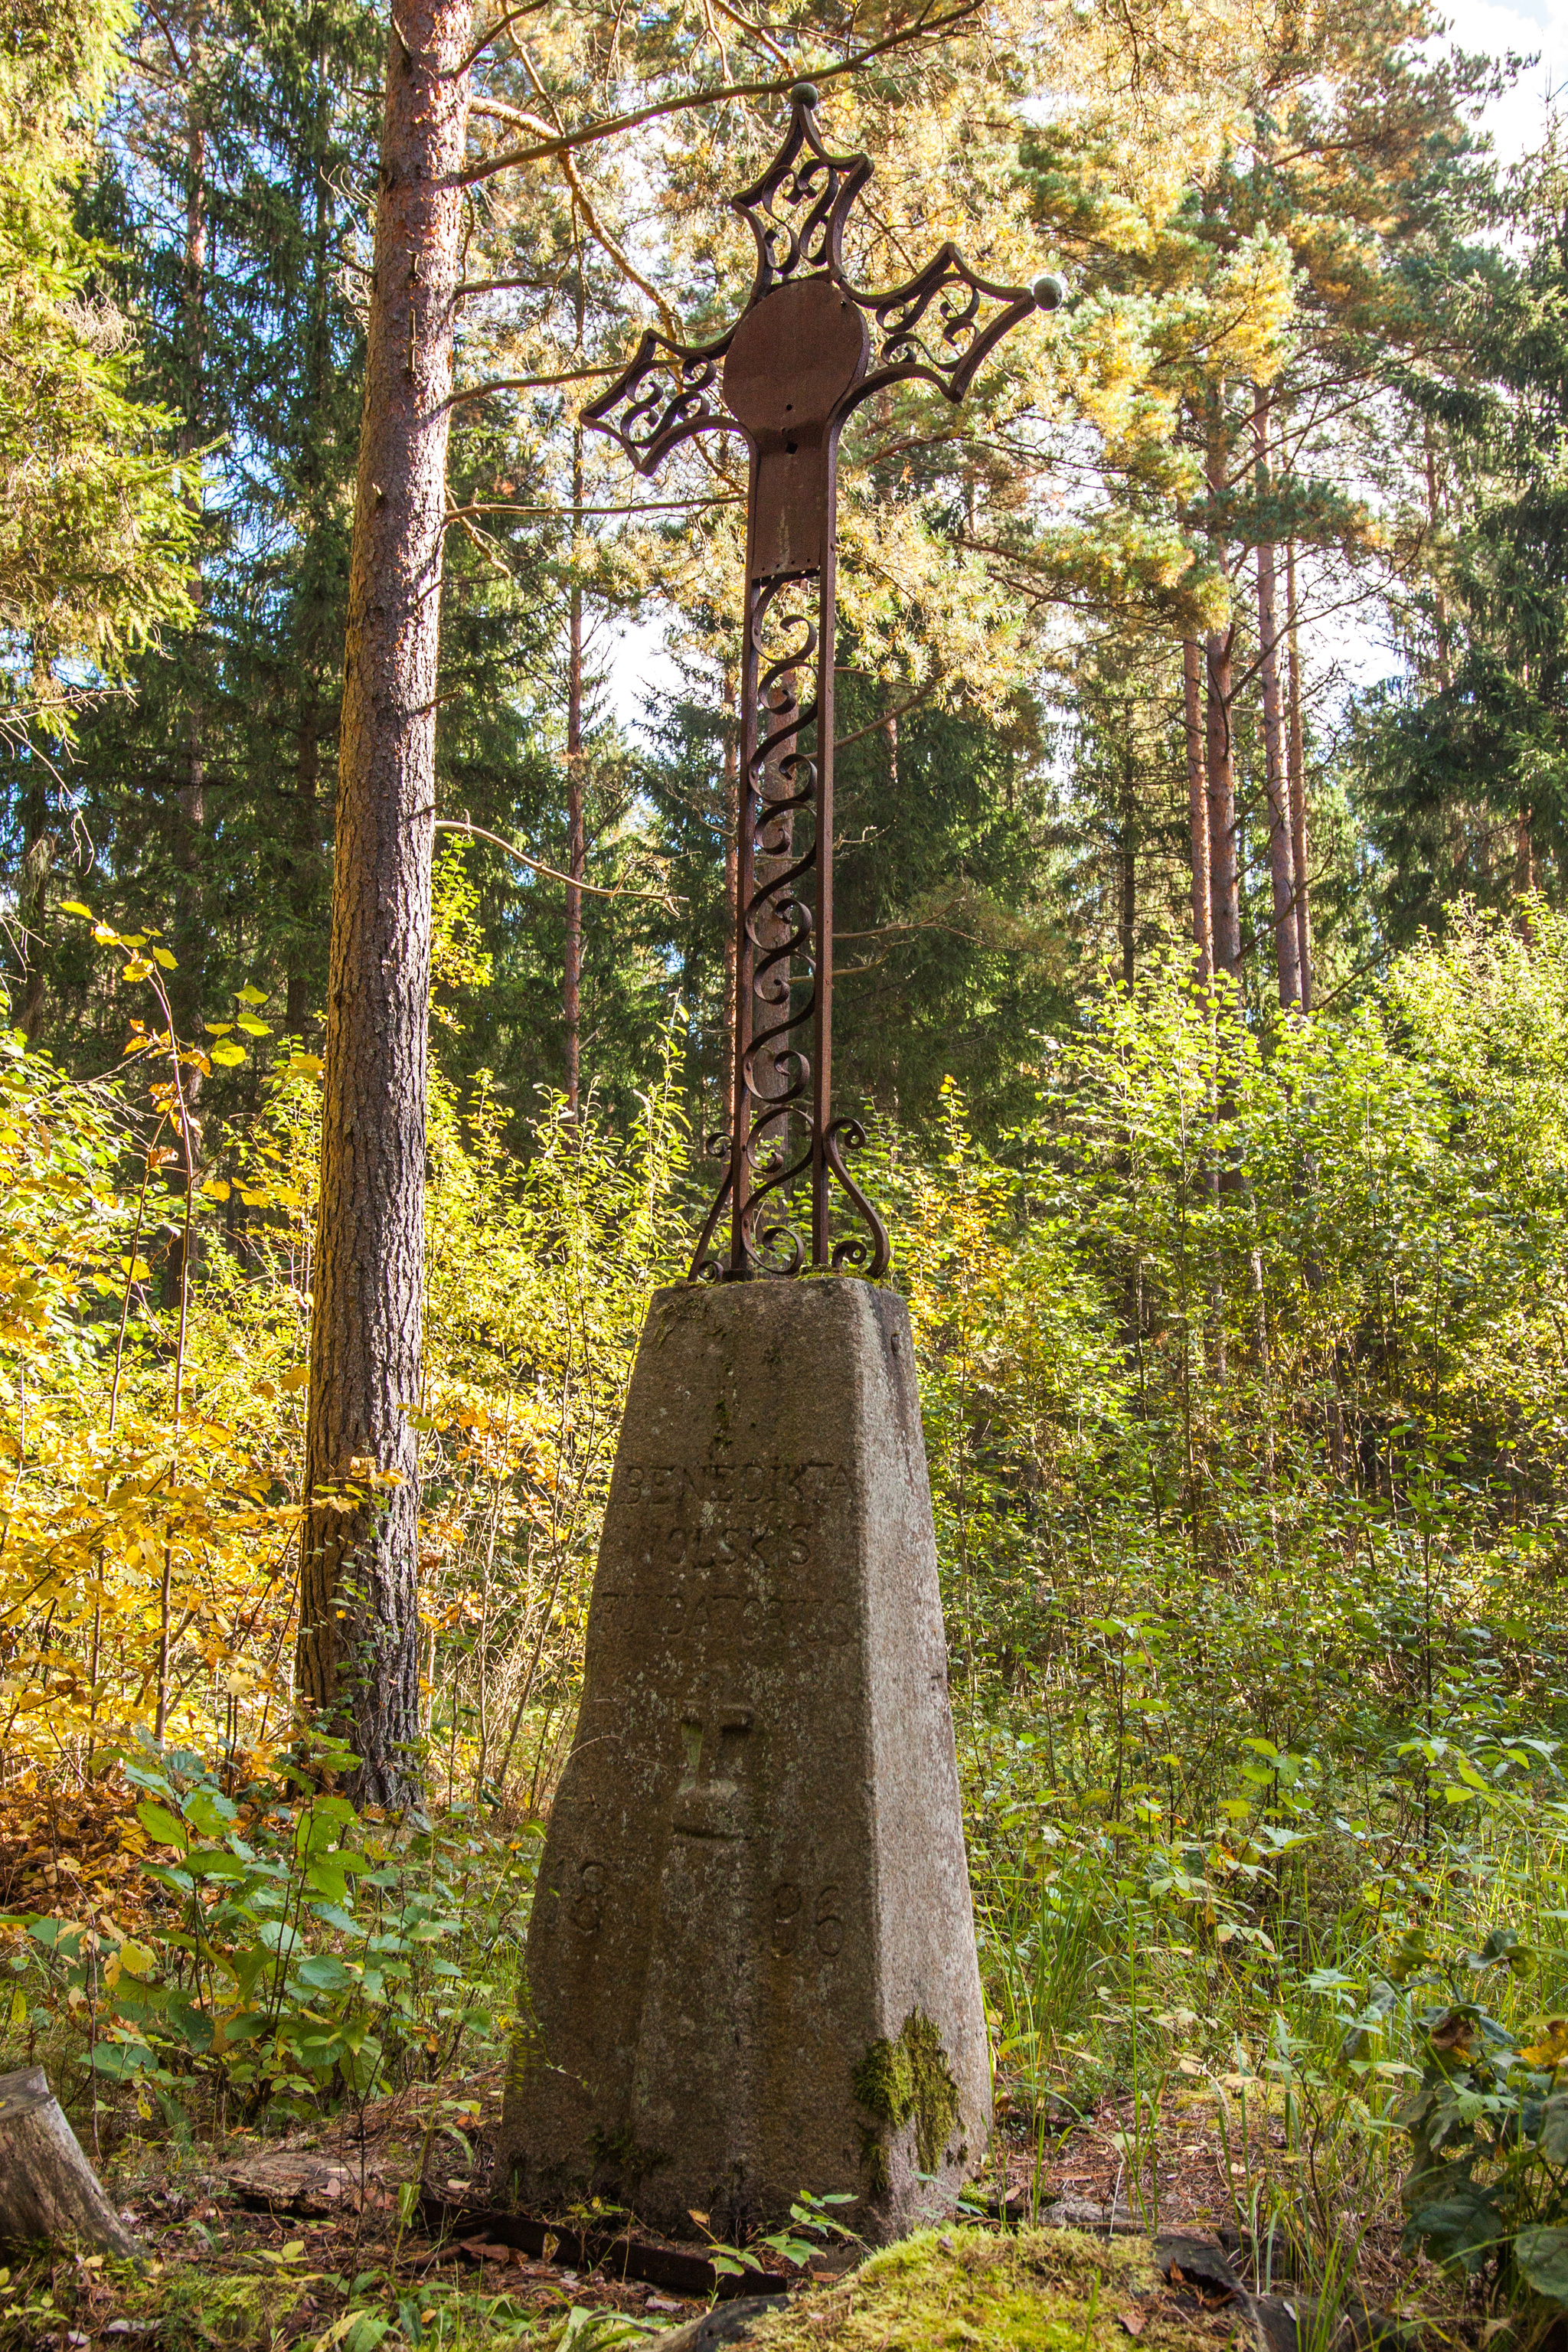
[805, 351]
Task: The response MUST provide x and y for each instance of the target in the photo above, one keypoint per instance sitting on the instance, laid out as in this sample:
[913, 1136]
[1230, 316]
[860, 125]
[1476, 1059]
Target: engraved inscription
[790, 1916]
[709, 1796]
[729, 1486]
[731, 1553]
[786, 1919]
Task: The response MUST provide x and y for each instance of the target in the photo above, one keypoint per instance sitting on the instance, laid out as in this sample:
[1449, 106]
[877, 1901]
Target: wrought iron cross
[805, 351]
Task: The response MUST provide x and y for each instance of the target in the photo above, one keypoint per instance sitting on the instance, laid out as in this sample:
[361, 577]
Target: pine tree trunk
[576, 860]
[1524, 868]
[359, 1627]
[316, 653]
[302, 862]
[576, 851]
[1127, 862]
[32, 914]
[49, 2193]
[1276, 785]
[1223, 896]
[1197, 807]
[1225, 903]
[1297, 767]
[39, 847]
[1433, 523]
[188, 811]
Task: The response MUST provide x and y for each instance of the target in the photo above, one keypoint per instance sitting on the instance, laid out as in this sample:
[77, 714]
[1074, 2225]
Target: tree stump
[48, 2188]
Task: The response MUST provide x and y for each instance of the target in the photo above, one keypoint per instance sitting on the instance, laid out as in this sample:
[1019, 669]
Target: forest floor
[258, 2244]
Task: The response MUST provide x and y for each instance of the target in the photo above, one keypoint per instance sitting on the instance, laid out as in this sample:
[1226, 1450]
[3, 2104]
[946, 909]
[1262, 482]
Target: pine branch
[926, 28]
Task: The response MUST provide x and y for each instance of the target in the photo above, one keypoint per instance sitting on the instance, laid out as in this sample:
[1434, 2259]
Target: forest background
[1210, 1023]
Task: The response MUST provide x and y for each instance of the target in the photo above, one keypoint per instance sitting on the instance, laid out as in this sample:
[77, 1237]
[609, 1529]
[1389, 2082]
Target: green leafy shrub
[304, 1953]
[1488, 2185]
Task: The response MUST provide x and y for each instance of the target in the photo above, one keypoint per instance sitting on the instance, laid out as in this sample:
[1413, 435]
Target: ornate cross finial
[805, 351]
[797, 209]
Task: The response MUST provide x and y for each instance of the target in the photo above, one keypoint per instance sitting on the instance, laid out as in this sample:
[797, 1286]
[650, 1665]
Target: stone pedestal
[750, 1969]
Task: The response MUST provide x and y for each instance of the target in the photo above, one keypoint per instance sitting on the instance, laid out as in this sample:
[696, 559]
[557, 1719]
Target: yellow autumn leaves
[152, 1430]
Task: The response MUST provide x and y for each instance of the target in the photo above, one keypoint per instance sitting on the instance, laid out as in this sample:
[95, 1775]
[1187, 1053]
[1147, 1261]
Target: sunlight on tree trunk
[1225, 903]
[359, 1627]
[1276, 788]
[576, 849]
[1225, 906]
[1296, 757]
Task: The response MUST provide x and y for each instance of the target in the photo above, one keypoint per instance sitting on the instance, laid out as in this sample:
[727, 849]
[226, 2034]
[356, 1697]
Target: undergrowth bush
[291, 1954]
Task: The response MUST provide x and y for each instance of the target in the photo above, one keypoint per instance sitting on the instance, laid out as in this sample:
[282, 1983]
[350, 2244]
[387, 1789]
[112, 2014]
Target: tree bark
[32, 916]
[315, 615]
[1433, 522]
[1275, 783]
[359, 1629]
[188, 811]
[1127, 864]
[1297, 767]
[39, 847]
[1197, 808]
[1225, 904]
[302, 861]
[49, 2191]
[576, 852]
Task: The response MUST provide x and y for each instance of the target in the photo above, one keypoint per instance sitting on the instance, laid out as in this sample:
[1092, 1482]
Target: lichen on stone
[954, 2289]
[910, 2076]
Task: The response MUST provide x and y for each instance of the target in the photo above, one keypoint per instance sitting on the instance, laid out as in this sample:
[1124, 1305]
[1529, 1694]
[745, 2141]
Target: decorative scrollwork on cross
[866, 1254]
[797, 210]
[669, 391]
[778, 925]
[942, 326]
[796, 363]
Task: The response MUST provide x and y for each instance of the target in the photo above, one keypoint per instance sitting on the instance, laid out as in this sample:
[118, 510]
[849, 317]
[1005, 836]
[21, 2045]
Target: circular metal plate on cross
[805, 351]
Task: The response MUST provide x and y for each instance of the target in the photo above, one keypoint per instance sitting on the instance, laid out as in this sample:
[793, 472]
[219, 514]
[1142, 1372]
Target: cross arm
[940, 326]
[668, 392]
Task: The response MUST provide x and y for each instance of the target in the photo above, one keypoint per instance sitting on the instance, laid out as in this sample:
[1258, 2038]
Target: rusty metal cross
[805, 351]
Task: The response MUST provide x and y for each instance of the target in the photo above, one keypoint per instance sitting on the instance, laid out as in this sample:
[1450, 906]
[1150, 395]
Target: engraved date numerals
[793, 1918]
[787, 1904]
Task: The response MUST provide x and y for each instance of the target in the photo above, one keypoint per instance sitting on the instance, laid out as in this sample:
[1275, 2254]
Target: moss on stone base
[910, 2076]
[952, 2291]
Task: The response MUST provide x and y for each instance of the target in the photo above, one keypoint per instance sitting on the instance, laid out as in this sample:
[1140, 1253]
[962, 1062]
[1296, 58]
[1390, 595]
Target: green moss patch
[955, 2290]
[241, 2312]
[910, 2076]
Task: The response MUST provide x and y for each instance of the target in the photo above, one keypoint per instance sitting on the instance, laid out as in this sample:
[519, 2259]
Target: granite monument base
[750, 1967]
